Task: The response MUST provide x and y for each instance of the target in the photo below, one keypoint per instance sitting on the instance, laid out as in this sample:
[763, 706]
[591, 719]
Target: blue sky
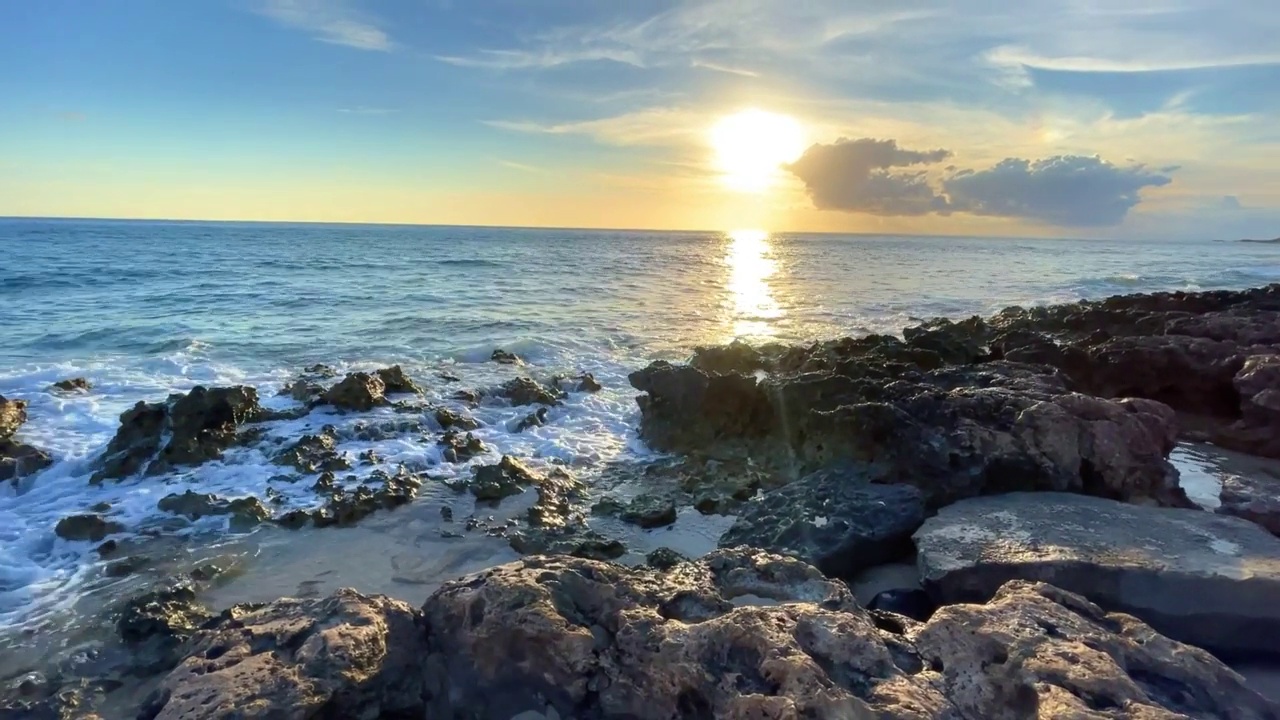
[1134, 118]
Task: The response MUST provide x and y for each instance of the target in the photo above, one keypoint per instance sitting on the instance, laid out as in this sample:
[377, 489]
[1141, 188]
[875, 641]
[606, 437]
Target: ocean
[145, 309]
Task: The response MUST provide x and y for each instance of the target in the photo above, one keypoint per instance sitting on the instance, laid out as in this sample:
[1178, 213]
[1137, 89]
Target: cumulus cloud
[857, 176]
[1065, 190]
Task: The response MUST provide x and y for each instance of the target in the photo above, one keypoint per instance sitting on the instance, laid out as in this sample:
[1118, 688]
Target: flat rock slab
[1201, 578]
[833, 519]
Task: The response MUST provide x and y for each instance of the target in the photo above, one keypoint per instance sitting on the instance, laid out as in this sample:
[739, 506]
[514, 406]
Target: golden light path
[752, 145]
[750, 265]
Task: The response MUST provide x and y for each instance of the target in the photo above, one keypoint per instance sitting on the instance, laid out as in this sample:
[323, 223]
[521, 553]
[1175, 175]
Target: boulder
[315, 453]
[833, 519]
[527, 391]
[155, 625]
[184, 430]
[304, 391]
[538, 418]
[358, 391]
[1256, 499]
[1202, 578]
[557, 491]
[86, 527]
[588, 383]
[955, 432]
[506, 478]
[453, 420]
[72, 385]
[345, 656]
[394, 380]
[744, 634]
[459, 447]
[664, 558]
[505, 358]
[567, 540]
[245, 512]
[13, 413]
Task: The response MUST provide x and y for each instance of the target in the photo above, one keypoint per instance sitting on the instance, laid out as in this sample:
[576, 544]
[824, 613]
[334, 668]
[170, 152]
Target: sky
[1072, 118]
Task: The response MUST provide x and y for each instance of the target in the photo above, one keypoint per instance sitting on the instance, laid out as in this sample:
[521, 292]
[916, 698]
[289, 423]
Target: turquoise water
[147, 308]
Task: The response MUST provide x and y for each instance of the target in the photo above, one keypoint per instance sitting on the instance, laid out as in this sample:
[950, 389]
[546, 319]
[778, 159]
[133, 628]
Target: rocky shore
[1020, 462]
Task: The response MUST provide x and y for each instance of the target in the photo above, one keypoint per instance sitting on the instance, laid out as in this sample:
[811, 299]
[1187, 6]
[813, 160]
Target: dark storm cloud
[856, 176]
[1067, 190]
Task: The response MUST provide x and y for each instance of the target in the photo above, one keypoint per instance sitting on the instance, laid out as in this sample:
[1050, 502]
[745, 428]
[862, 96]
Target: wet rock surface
[315, 453]
[833, 519]
[954, 432]
[395, 380]
[88, 527]
[17, 459]
[245, 512]
[527, 391]
[73, 385]
[1256, 499]
[1202, 578]
[358, 391]
[185, 430]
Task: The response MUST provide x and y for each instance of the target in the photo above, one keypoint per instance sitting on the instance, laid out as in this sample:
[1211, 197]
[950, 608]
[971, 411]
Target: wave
[1265, 272]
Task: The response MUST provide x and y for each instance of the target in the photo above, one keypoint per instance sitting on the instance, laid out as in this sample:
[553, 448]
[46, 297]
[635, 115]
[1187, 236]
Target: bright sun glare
[752, 145]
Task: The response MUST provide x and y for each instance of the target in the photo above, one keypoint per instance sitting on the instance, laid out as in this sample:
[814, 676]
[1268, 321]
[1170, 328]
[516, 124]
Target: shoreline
[1022, 401]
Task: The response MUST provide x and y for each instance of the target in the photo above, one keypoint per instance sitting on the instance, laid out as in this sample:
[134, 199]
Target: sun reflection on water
[753, 308]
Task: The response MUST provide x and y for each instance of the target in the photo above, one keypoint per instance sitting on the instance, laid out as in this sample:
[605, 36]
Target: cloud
[727, 69]
[652, 127]
[855, 176]
[1065, 190]
[330, 21]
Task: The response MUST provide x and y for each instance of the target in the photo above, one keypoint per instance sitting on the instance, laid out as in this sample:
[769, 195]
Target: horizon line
[538, 227]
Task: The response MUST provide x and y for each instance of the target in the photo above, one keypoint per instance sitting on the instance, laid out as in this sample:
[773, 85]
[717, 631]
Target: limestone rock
[505, 358]
[185, 430]
[17, 459]
[345, 656]
[1256, 499]
[245, 512]
[453, 420]
[13, 413]
[87, 527]
[73, 385]
[527, 391]
[395, 380]
[358, 391]
[1202, 578]
[508, 477]
[833, 519]
[459, 447]
[315, 453]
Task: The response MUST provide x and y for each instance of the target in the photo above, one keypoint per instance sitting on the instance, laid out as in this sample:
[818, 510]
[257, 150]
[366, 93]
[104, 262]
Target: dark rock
[395, 380]
[508, 477]
[664, 558]
[649, 512]
[954, 432]
[527, 391]
[505, 358]
[315, 453]
[467, 396]
[125, 566]
[534, 419]
[17, 459]
[908, 602]
[156, 624]
[448, 376]
[345, 656]
[452, 420]
[461, 448]
[735, 358]
[588, 383]
[245, 512]
[833, 519]
[185, 430]
[358, 391]
[1256, 499]
[556, 492]
[599, 640]
[1182, 571]
[304, 391]
[92, 528]
[78, 384]
[574, 541]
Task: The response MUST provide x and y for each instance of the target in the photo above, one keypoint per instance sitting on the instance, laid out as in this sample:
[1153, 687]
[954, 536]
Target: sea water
[145, 309]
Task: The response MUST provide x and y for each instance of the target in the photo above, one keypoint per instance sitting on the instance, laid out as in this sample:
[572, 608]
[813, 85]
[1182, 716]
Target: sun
[751, 146]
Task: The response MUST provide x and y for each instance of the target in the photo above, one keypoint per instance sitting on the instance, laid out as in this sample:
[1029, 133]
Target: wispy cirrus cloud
[366, 110]
[331, 21]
